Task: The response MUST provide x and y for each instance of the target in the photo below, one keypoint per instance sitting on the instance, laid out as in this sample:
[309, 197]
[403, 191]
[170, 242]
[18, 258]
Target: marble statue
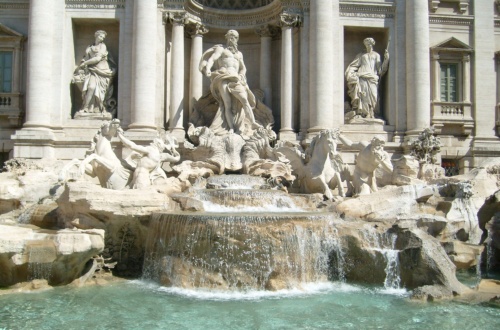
[319, 169]
[102, 162]
[226, 69]
[363, 75]
[371, 156]
[260, 159]
[94, 77]
[148, 159]
[425, 149]
[139, 170]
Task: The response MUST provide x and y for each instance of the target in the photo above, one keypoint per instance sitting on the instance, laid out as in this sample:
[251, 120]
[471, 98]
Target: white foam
[212, 207]
[305, 289]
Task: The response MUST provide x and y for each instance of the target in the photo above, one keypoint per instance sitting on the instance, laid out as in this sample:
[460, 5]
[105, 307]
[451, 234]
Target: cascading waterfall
[38, 267]
[385, 245]
[242, 251]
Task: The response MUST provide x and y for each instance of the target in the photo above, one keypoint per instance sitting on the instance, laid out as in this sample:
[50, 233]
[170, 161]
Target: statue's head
[369, 42]
[232, 34]
[100, 33]
[232, 37]
[377, 141]
[158, 143]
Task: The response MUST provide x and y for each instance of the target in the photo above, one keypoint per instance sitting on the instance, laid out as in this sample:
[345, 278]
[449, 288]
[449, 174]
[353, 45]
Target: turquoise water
[141, 305]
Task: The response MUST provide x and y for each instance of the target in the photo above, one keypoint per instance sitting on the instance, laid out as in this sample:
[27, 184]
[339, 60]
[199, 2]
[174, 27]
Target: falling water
[246, 200]
[385, 243]
[243, 251]
[40, 259]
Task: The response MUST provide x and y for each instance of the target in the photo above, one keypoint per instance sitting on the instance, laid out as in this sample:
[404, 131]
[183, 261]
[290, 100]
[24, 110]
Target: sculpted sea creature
[319, 168]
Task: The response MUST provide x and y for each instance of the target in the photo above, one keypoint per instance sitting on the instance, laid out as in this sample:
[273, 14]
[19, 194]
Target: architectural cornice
[365, 9]
[451, 19]
[214, 18]
[95, 4]
[14, 4]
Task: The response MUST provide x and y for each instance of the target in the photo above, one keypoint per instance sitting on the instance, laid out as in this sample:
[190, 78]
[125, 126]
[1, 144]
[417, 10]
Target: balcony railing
[456, 114]
[11, 107]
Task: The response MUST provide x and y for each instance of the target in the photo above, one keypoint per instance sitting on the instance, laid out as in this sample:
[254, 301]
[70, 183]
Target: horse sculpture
[101, 161]
[319, 168]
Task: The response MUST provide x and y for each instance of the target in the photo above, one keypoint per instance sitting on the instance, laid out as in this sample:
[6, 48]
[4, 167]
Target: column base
[139, 127]
[34, 143]
[179, 134]
[287, 135]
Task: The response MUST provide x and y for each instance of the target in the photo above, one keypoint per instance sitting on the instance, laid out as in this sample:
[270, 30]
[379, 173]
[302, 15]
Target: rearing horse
[318, 170]
[101, 161]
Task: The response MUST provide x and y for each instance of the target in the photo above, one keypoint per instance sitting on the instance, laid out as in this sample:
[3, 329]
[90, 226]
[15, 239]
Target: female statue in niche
[94, 77]
[363, 75]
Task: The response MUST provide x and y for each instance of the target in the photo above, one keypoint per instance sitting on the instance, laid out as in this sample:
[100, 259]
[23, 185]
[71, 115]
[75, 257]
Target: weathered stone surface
[123, 214]
[463, 255]
[424, 262]
[56, 256]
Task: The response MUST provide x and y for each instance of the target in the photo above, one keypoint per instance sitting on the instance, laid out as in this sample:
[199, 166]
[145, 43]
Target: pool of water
[142, 305]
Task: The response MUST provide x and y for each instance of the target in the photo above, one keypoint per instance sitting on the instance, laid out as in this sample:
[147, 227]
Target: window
[5, 72]
[449, 76]
[450, 166]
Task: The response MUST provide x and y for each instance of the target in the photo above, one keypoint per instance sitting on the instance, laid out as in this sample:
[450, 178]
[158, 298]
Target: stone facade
[296, 53]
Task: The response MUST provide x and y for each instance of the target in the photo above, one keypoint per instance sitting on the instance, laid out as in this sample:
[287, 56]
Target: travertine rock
[56, 256]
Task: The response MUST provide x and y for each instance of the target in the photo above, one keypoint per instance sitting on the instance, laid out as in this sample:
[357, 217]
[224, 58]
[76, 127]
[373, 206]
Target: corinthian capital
[196, 29]
[175, 17]
[267, 31]
[289, 20]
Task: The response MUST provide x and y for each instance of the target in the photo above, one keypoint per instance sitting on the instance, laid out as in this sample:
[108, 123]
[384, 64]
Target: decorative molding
[14, 4]
[216, 18]
[451, 20]
[463, 5]
[366, 10]
[95, 4]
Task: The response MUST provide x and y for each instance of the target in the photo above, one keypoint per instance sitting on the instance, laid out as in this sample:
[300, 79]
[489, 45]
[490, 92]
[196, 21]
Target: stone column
[497, 60]
[436, 69]
[484, 70]
[417, 66]
[466, 75]
[196, 31]
[266, 34]
[304, 75]
[321, 69]
[144, 66]
[177, 75]
[16, 81]
[287, 22]
[39, 64]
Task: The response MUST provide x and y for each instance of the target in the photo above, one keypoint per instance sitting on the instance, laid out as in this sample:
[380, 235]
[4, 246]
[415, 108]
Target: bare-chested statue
[227, 72]
[149, 159]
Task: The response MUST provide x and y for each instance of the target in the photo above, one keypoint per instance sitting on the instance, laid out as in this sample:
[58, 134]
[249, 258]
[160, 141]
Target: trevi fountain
[234, 227]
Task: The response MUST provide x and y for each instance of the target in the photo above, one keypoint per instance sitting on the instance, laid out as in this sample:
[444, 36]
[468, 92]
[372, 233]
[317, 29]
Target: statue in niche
[363, 76]
[236, 102]
[320, 168]
[148, 159]
[94, 78]
[371, 156]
